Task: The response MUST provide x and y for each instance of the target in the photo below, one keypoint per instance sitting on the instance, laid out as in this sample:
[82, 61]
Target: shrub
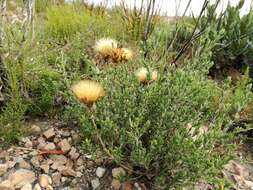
[43, 86]
[64, 21]
[234, 49]
[145, 126]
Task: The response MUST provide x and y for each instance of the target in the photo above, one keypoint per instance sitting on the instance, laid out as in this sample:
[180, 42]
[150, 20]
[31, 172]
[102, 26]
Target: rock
[25, 165]
[116, 184]
[137, 186]
[5, 185]
[45, 180]
[73, 153]
[58, 161]
[78, 174]
[64, 145]
[117, 172]
[59, 158]
[69, 164]
[28, 144]
[126, 186]
[35, 129]
[49, 133]
[95, 183]
[37, 187]
[3, 168]
[100, 172]
[56, 178]
[21, 177]
[36, 161]
[50, 146]
[240, 170]
[41, 140]
[33, 153]
[49, 187]
[68, 172]
[18, 159]
[249, 183]
[65, 133]
[42, 145]
[11, 164]
[45, 168]
[63, 179]
[27, 186]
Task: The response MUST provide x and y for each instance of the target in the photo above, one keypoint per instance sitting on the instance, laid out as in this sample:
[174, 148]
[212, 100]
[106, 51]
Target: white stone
[100, 172]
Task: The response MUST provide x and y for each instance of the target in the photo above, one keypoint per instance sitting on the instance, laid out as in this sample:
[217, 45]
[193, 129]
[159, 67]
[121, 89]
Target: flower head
[127, 54]
[142, 75]
[105, 46]
[88, 92]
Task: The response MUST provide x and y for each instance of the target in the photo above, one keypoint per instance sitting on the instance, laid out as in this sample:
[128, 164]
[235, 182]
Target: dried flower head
[142, 75]
[105, 46]
[88, 92]
[127, 54]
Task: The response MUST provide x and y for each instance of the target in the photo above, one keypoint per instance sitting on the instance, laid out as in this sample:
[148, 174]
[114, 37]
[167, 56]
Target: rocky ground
[51, 158]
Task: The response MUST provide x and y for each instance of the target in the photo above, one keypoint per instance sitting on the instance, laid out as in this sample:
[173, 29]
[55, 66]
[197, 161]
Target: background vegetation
[176, 131]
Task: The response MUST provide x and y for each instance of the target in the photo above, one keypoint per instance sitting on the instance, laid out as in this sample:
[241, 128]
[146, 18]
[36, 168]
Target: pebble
[45, 168]
[37, 187]
[28, 144]
[44, 180]
[24, 164]
[5, 184]
[100, 172]
[56, 178]
[95, 183]
[116, 184]
[64, 145]
[117, 172]
[35, 129]
[68, 172]
[49, 133]
[49, 146]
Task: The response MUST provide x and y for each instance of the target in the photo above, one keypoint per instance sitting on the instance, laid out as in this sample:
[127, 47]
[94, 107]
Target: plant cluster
[159, 115]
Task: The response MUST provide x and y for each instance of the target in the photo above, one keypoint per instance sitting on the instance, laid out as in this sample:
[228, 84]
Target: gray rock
[100, 172]
[95, 183]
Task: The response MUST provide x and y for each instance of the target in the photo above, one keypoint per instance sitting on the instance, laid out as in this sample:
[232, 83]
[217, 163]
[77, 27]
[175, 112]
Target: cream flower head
[88, 92]
[105, 46]
[127, 54]
[142, 75]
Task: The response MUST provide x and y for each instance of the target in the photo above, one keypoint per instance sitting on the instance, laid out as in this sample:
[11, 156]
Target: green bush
[64, 21]
[146, 126]
[43, 86]
[234, 48]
